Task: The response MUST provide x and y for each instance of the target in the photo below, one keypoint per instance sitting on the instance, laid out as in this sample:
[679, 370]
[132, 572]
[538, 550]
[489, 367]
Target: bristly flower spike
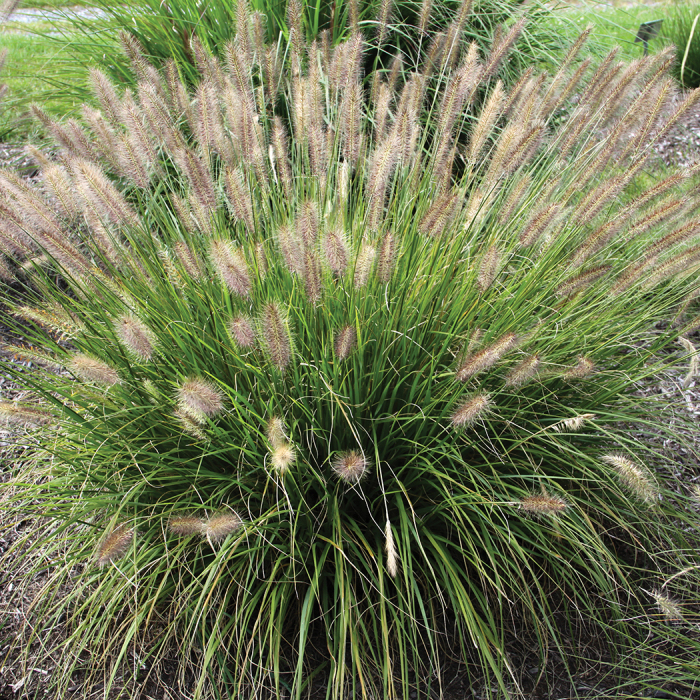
[185, 525]
[391, 552]
[543, 504]
[633, 477]
[90, 369]
[274, 335]
[200, 399]
[282, 457]
[242, 332]
[345, 342]
[220, 525]
[136, 336]
[470, 411]
[115, 545]
[351, 466]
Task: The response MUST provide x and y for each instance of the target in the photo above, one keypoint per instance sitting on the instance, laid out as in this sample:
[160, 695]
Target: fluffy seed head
[231, 266]
[543, 504]
[391, 553]
[242, 332]
[573, 424]
[90, 369]
[482, 360]
[221, 525]
[523, 371]
[13, 413]
[190, 425]
[635, 478]
[345, 342]
[387, 257]
[584, 368]
[199, 399]
[283, 456]
[350, 466]
[275, 335]
[185, 525]
[276, 432]
[470, 411]
[668, 607]
[363, 265]
[136, 336]
[335, 252]
[114, 545]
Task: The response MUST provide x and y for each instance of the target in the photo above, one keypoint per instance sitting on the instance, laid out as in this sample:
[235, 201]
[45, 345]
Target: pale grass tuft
[200, 399]
[185, 525]
[220, 525]
[335, 251]
[136, 336]
[470, 411]
[189, 425]
[242, 332]
[276, 432]
[573, 424]
[583, 369]
[345, 342]
[115, 545]
[275, 335]
[231, 266]
[669, 607]
[90, 369]
[391, 553]
[478, 362]
[13, 413]
[695, 493]
[635, 478]
[350, 466]
[543, 504]
[282, 457]
[363, 264]
[523, 372]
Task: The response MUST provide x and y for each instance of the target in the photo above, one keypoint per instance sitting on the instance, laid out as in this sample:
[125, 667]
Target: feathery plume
[59, 184]
[185, 525]
[573, 424]
[426, 10]
[220, 525]
[231, 266]
[115, 545]
[387, 257]
[307, 223]
[584, 368]
[539, 505]
[189, 425]
[242, 332]
[350, 119]
[199, 177]
[90, 369]
[291, 248]
[97, 191]
[276, 432]
[274, 334]
[199, 399]
[13, 413]
[669, 607]
[633, 477]
[107, 96]
[363, 264]
[520, 188]
[335, 251]
[500, 49]
[539, 223]
[694, 368]
[470, 411]
[489, 268]
[478, 362]
[487, 119]
[281, 149]
[580, 281]
[136, 336]
[189, 260]
[523, 372]
[440, 214]
[345, 342]
[282, 457]
[350, 466]
[312, 275]
[391, 553]
[23, 353]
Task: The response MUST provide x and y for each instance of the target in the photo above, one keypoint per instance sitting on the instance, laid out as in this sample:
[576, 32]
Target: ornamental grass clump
[343, 370]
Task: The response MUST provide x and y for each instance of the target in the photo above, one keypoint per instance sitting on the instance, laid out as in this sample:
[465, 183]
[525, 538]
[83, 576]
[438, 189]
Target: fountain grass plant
[335, 392]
